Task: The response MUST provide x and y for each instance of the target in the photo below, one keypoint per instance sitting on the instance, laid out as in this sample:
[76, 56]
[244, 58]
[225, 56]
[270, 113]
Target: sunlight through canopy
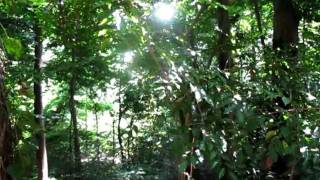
[164, 11]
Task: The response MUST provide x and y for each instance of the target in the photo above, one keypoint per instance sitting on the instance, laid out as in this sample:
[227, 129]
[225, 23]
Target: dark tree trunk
[73, 113]
[41, 151]
[5, 128]
[113, 140]
[70, 150]
[285, 39]
[224, 55]
[130, 139]
[257, 10]
[285, 25]
[119, 127]
[225, 62]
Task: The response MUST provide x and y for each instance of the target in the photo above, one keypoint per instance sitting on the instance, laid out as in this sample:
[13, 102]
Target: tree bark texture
[97, 132]
[119, 127]
[285, 23]
[5, 127]
[224, 55]
[73, 113]
[42, 161]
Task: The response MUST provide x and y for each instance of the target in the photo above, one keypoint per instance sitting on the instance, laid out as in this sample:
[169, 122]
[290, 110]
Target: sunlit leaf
[13, 47]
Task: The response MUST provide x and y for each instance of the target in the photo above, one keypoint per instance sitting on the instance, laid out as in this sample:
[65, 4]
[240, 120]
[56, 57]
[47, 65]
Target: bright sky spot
[128, 56]
[46, 57]
[164, 12]
[310, 97]
[303, 149]
[307, 131]
[47, 53]
[117, 17]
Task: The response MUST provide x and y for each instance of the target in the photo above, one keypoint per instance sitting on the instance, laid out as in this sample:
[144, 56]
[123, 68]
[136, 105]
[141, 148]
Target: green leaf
[222, 172]
[272, 152]
[285, 100]
[252, 124]
[233, 175]
[183, 166]
[104, 21]
[271, 134]
[13, 47]
[285, 132]
[214, 164]
[240, 116]
[213, 155]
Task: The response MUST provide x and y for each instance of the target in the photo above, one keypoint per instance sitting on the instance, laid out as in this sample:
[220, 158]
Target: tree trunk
[285, 39]
[70, 150]
[97, 132]
[73, 113]
[113, 140]
[257, 9]
[224, 55]
[225, 62]
[130, 139]
[285, 24]
[42, 162]
[119, 127]
[5, 127]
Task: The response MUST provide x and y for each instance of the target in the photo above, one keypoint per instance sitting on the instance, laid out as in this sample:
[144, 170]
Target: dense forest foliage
[167, 90]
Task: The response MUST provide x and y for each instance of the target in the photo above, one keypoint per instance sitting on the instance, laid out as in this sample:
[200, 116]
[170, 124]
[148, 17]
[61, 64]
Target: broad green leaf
[252, 124]
[273, 154]
[271, 134]
[222, 172]
[102, 32]
[285, 132]
[285, 100]
[240, 116]
[214, 164]
[13, 47]
[104, 21]
[183, 166]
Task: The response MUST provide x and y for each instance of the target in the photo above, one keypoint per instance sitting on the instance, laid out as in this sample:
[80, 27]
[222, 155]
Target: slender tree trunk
[73, 113]
[224, 55]
[96, 118]
[257, 10]
[97, 132]
[71, 154]
[5, 128]
[86, 143]
[130, 138]
[113, 140]
[119, 127]
[42, 161]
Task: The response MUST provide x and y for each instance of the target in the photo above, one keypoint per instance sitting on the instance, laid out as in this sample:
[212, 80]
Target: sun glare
[164, 12]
